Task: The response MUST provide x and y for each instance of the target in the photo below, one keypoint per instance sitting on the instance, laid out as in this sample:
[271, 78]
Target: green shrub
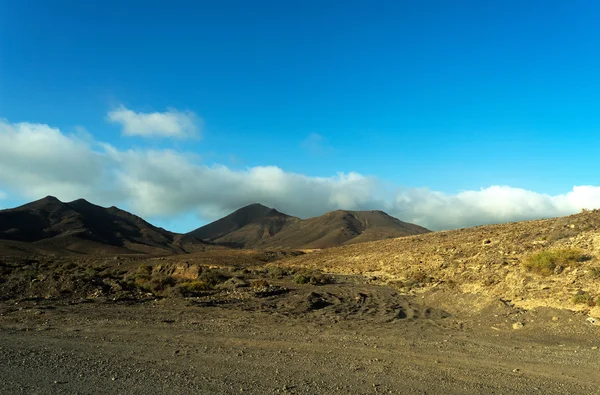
[278, 271]
[554, 261]
[584, 298]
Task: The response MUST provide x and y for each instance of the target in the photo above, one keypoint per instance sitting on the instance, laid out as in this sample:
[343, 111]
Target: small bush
[213, 277]
[278, 271]
[159, 284]
[259, 284]
[313, 277]
[595, 272]
[554, 261]
[144, 269]
[584, 298]
[193, 287]
[417, 279]
[141, 279]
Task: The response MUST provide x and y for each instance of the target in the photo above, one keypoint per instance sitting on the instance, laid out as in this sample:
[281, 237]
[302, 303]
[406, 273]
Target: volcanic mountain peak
[256, 211]
[48, 202]
[245, 226]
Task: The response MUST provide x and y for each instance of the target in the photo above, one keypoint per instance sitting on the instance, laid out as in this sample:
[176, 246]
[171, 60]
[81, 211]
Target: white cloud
[38, 160]
[494, 204]
[166, 183]
[172, 123]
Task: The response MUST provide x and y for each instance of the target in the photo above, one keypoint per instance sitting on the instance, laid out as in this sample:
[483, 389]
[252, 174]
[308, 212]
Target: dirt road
[330, 339]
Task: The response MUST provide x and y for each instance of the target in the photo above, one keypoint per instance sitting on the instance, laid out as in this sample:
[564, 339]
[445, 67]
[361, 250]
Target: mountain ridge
[49, 225]
[83, 227]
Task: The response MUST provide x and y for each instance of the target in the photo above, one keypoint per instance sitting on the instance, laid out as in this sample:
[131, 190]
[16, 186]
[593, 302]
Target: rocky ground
[347, 337]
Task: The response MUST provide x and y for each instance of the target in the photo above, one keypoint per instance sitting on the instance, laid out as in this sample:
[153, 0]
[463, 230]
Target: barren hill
[257, 226]
[553, 262]
[82, 227]
[246, 227]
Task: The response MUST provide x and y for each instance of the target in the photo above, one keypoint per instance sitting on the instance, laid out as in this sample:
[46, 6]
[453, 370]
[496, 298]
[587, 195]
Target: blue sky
[424, 101]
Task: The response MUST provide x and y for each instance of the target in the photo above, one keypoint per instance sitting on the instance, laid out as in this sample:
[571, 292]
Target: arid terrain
[492, 310]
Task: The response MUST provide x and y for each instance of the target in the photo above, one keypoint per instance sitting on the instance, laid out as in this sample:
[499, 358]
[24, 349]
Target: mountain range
[80, 227]
[257, 226]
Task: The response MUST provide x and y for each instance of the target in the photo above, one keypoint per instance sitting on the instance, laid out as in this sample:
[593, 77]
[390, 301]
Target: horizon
[243, 207]
[443, 115]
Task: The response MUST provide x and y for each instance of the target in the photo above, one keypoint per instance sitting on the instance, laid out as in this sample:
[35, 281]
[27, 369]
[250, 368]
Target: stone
[518, 325]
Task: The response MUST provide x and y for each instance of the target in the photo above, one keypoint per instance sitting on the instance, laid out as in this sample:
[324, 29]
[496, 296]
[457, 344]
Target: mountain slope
[488, 261]
[257, 226]
[83, 227]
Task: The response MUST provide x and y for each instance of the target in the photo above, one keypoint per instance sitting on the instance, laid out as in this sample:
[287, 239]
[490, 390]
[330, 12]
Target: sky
[444, 113]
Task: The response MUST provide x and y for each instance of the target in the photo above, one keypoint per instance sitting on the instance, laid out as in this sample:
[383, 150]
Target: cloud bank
[38, 160]
[172, 124]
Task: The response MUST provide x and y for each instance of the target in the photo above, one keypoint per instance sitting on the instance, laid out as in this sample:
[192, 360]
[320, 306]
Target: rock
[518, 325]
[555, 318]
[593, 320]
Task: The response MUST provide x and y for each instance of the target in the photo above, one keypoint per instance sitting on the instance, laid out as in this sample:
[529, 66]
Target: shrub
[156, 285]
[212, 277]
[193, 287]
[302, 278]
[144, 269]
[595, 271]
[259, 284]
[584, 298]
[417, 279]
[278, 271]
[554, 261]
[314, 277]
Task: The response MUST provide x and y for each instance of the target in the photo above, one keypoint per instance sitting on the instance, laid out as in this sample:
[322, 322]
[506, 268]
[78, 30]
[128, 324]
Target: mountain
[257, 226]
[246, 227]
[82, 227]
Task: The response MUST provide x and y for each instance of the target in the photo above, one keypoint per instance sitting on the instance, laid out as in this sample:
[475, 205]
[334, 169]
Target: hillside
[49, 225]
[489, 261]
[257, 226]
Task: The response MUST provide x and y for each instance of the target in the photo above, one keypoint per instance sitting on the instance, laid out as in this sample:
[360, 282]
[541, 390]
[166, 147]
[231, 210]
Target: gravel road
[178, 346]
